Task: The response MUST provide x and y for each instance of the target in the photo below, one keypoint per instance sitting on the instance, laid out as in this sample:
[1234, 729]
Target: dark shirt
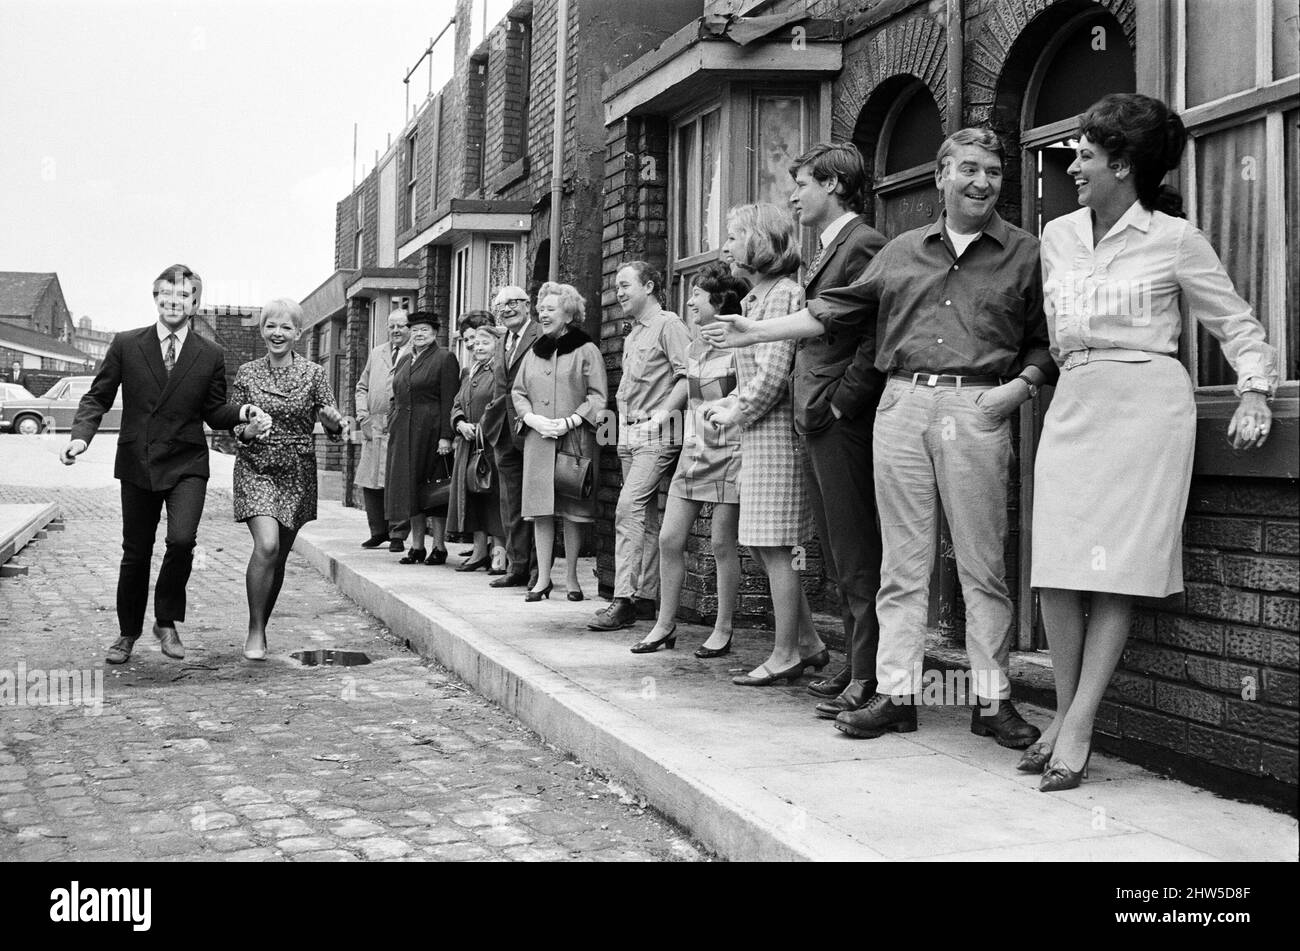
[931, 311]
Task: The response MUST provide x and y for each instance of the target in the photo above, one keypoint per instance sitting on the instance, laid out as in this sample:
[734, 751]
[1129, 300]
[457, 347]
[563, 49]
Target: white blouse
[1125, 292]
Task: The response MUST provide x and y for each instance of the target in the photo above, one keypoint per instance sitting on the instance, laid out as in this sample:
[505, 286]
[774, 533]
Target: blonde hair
[571, 301]
[285, 307]
[771, 242]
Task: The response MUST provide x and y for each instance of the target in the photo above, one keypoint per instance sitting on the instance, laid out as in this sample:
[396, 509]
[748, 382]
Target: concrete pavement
[749, 771]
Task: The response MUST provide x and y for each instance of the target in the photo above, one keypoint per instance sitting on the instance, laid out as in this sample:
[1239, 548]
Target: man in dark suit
[172, 382]
[500, 431]
[16, 374]
[835, 412]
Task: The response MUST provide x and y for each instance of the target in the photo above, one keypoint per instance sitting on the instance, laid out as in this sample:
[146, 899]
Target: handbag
[478, 470]
[435, 491]
[572, 473]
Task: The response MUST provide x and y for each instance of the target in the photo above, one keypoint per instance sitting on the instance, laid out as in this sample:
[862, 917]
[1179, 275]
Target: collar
[994, 228]
[163, 330]
[569, 341]
[1135, 216]
[645, 320]
[519, 334]
[832, 230]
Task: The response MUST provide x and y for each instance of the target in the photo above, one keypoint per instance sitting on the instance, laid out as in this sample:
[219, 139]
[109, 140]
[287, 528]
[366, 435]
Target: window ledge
[1278, 459]
[509, 175]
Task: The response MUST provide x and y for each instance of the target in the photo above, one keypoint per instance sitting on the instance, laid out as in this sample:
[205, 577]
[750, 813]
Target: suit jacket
[819, 377]
[162, 439]
[500, 422]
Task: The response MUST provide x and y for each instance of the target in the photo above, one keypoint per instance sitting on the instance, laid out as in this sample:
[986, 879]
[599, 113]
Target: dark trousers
[840, 482]
[374, 501]
[141, 509]
[519, 533]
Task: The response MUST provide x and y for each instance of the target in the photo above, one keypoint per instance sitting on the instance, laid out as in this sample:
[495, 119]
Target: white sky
[217, 133]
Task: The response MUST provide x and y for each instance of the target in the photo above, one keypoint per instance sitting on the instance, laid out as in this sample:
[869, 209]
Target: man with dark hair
[958, 306]
[172, 382]
[835, 415]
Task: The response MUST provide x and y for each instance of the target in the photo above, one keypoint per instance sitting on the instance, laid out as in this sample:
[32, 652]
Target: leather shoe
[881, 714]
[829, 687]
[397, 545]
[509, 581]
[853, 697]
[999, 719]
[171, 642]
[374, 541]
[120, 652]
[646, 609]
[618, 615]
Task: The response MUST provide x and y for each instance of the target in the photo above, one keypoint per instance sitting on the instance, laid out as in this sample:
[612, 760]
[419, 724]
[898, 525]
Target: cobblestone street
[214, 757]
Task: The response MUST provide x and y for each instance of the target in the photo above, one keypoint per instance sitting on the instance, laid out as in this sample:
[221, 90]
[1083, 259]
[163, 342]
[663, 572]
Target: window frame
[412, 176]
[1270, 99]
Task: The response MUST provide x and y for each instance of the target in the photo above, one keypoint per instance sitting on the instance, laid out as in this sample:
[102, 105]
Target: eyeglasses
[512, 302]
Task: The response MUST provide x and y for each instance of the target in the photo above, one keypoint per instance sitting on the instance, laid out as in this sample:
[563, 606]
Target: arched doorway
[1064, 61]
[899, 132]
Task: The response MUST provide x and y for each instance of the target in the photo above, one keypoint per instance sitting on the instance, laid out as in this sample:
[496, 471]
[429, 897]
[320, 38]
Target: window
[411, 178]
[501, 267]
[1236, 89]
[910, 136]
[358, 240]
[460, 294]
[780, 135]
[698, 170]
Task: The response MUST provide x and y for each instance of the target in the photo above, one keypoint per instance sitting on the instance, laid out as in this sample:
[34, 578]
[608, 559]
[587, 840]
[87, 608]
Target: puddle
[330, 658]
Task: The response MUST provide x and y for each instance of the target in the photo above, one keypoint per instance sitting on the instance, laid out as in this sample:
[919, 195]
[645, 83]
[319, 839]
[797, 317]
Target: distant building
[236, 330]
[91, 341]
[36, 327]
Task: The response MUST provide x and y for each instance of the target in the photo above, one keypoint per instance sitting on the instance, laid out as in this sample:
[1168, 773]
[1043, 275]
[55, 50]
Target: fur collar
[569, 341]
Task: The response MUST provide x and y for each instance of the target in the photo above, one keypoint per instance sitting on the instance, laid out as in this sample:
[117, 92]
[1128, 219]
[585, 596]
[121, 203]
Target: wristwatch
[1255, 384]
[1033, 387]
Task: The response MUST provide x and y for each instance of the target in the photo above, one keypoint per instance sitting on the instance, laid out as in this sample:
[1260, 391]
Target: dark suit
[838, 464]
[500, 430]
[162, 458]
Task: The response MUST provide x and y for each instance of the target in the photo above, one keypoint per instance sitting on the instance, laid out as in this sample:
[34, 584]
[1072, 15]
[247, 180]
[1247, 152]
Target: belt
[946, 379]
[1078, 358]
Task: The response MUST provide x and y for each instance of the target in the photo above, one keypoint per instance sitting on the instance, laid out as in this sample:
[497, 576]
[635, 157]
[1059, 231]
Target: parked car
[29, 415]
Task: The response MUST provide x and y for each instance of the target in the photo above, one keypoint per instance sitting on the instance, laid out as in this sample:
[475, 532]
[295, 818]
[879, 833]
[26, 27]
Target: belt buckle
[934, 380]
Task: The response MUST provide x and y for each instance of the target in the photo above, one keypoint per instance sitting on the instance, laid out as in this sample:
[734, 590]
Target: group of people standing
[857, 401]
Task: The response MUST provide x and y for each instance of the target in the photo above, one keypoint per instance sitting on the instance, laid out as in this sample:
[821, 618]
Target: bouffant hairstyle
[770, 245]
[725, 290]
[647, 273]
[474, 319]
[1148, 135]
[284, 307]
[570, 299]
[844, 162]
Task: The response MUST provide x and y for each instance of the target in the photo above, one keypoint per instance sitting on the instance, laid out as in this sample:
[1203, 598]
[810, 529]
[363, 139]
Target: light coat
[374, 394]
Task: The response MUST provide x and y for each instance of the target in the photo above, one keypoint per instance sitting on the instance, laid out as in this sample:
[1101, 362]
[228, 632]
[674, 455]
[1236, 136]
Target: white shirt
[513, 337]
[1129, 292]
[835, 227]
[164, 330]
[960, 242]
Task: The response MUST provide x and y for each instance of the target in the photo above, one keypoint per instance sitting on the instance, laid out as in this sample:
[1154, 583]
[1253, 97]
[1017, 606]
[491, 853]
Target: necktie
[510, 349]
[817, 258]
[169, 358]
[394, 359]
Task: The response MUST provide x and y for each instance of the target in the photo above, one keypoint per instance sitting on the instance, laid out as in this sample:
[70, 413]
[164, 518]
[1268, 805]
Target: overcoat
[374, 395]
[424, 386]
[557, 379]
[473, 512]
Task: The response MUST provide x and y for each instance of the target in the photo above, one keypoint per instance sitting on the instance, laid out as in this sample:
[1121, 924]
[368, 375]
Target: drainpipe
[956, 43]
[557, 142]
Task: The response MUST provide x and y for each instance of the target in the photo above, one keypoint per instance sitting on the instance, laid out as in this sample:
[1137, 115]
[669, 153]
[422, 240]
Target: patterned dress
[774, 509]
[708, 469]
[276, 476]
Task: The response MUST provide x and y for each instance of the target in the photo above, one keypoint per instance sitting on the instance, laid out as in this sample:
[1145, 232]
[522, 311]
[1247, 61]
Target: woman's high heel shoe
[1035, 759]
[817, 661]
[415, 556]
[1058, 776]
[438, 556]
[704, 653]
[474, 565]
[574, 595]
[649, 647]
[538, 595]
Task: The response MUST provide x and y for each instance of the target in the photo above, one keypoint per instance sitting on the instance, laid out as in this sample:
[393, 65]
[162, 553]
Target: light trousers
[638, 516]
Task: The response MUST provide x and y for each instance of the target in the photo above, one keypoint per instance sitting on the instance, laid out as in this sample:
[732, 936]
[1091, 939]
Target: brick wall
[1211, 673]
